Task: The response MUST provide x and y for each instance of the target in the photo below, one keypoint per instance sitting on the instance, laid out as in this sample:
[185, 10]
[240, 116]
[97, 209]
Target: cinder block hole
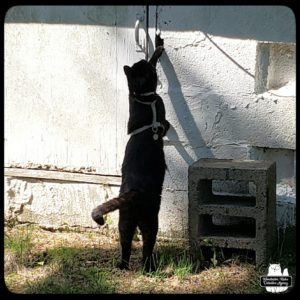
[233, 227]
[275, 67]
[233, 187]
[238, 193]
[285, 161]
[227, 254]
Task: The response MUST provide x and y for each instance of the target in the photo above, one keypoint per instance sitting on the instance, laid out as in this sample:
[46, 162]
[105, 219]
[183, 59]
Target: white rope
[139, 130]
[145, 94]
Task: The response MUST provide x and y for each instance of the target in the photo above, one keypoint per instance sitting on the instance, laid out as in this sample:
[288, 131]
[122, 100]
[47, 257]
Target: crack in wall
[18, 196]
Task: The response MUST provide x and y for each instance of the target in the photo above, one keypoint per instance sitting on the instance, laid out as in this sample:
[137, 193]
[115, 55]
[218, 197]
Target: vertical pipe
[147, 32]
[156, 18]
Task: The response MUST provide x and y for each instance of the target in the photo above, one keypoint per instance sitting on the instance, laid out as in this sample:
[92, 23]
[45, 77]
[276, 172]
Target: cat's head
[141, 77]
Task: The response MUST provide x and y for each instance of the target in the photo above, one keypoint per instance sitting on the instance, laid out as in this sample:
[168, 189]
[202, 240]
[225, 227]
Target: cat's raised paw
[159, 50]
[158, 40]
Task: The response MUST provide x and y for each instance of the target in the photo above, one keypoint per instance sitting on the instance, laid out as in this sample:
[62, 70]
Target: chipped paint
[36, 166]
[53, 204]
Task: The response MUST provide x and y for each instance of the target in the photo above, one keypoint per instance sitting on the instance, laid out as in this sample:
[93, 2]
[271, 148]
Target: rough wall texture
[227, 93]
[212, 104]
[55, 203]
[65, 89]
[210, 76]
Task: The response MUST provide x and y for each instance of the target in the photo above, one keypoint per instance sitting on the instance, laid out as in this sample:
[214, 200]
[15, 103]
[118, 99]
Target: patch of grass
[64, 256]
[171, 262]
[18, 244]
[66, 270]
[85, 263]
[98, 280]
[184, 266]
[160, 272]
[90, 280]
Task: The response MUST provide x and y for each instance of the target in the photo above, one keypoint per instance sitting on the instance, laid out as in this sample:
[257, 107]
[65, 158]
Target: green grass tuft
[85, 263]
[184, 266]
[19, 243]
[171, 263]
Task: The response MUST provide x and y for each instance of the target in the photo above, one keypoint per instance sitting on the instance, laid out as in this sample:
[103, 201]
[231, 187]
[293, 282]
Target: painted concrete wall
[65, 89]
[217, 78]
[53, 204]
[66, 106]
[209, 77]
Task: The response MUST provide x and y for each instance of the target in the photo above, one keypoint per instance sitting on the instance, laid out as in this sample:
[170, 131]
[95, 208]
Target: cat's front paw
[158, 40]
[97, 216]
[159, 50]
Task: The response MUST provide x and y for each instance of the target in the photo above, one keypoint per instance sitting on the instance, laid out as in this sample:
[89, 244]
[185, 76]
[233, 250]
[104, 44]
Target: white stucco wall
[65, 88]
[209, 77]
[54, 204]
[66, 96]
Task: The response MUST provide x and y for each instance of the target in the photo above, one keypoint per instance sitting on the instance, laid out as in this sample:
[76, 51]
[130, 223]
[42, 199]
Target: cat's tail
[111, 205]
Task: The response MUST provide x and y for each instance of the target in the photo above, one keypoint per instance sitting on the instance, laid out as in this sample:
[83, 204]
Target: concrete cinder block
[251, 219]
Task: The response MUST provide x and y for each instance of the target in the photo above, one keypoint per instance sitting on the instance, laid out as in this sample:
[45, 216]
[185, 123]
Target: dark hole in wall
[284, 158]
[275, 66]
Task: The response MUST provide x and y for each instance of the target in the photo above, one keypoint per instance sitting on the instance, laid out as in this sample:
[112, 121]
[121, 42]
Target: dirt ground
[41, 261]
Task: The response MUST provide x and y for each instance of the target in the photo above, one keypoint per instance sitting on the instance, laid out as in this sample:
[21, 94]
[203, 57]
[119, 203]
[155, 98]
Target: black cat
[143, 167]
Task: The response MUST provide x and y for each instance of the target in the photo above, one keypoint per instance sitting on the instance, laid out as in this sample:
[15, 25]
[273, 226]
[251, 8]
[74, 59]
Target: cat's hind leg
[127, 226]
[149, 228]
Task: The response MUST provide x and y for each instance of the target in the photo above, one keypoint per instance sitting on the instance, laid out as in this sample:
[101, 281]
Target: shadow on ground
[85, 263]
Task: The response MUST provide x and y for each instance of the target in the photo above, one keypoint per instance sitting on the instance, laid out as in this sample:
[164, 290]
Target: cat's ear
[127, 70]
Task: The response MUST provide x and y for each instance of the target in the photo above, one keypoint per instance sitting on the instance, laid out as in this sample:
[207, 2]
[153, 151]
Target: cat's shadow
[183, 113]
